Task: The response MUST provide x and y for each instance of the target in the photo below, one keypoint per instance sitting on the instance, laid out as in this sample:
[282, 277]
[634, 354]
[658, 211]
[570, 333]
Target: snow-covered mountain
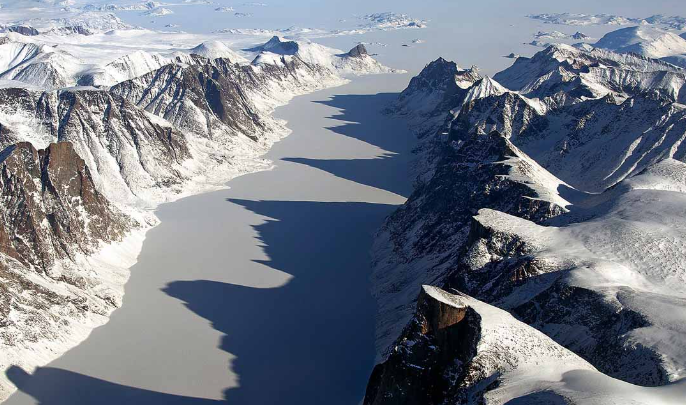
[64, 250]
[82, 166]
[646, 41]
[278, 51]
[458, 346]
[563, 74]
[553, 191]
[38, 65]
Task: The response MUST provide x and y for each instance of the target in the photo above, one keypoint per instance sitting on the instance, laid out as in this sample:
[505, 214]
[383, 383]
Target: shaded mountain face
[132, 152]
[543, 191]
[204, 98]
[438, 88]
[51, 208]
[457, 350]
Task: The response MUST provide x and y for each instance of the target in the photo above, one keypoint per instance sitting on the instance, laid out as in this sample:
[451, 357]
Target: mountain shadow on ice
[361, 119]
[289, 338]
[55, 386]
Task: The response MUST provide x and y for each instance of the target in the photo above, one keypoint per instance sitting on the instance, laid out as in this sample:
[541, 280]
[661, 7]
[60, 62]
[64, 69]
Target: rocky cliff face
[208, 97]
[534, 205]
[135, 156]
[429, 356]
[458, 350]
[54, 220]
[51, 208]
[422, 241]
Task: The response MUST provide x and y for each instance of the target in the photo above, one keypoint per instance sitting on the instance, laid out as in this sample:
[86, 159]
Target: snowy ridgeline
[133, 132]
[645, 40]
[554, 191]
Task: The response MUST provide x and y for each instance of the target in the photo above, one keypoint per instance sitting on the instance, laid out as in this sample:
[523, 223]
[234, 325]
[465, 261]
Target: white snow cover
[39, 65]
[51, 67]
[217, 49]
[532, 367]
[278, 51]
[108, 58]
[644, 40]
[674, 22]
[631, 251]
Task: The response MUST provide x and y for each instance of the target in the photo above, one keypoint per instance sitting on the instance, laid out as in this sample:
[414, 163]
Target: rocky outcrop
[458, 350]
[51, 208]
[430, 356]
[26, 30]
[134, 156]
[53, 220]
[358, 51]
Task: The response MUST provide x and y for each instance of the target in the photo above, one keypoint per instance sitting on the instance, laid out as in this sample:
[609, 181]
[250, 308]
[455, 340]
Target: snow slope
[573, 161]
[646, 41]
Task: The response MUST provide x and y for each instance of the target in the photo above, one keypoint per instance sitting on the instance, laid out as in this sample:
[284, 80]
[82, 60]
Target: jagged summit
[358, 51]
[483, 88]
[278, 46]
[26, 30]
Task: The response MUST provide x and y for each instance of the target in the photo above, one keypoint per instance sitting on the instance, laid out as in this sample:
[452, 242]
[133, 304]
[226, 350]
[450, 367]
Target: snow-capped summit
[217, 49]
[38, 65]
[278, 51]
[485, 87]
[643, 40]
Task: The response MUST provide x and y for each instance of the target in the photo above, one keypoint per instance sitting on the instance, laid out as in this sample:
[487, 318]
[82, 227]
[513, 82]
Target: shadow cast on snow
[362, 119]
[310, 341]
[54, 386]
[287, 340]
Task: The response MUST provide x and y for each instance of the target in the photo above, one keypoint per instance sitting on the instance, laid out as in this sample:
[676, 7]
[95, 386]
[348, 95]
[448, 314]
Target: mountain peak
[358, 51]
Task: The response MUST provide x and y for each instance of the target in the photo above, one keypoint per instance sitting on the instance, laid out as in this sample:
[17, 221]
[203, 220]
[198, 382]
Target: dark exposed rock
[215, 89]
[358, 51]
[430, 356]
[99, 123]
[469, 177]
[50, 207]
[26, 30]
[75, 29]
[277, 46]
